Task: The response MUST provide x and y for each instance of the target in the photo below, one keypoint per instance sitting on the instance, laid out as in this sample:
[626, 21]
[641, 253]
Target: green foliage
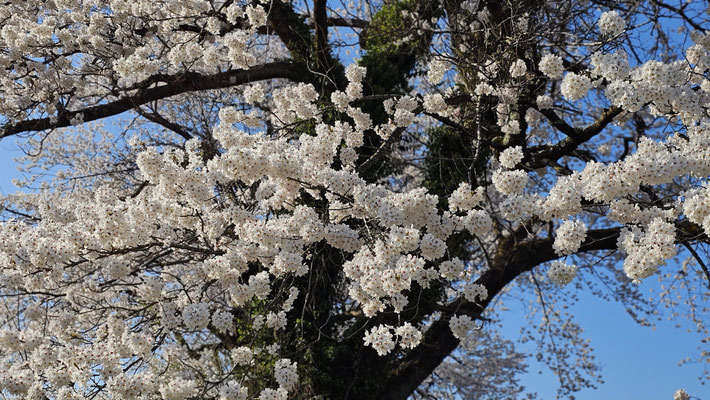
[387, 27]
[447, 161]
[391, 48]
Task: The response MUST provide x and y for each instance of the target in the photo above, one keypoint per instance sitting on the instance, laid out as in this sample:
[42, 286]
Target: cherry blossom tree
[280, 200]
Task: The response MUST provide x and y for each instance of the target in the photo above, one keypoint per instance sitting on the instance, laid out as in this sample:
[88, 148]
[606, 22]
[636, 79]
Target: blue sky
[8, 169]
[637, 362]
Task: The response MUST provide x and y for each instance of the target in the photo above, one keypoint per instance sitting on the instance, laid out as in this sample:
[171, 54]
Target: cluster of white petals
[381, 339]
[475, 292]
[681, 394]
[611, 23]
[510, 182]
[552, 66]
[436, 70]
[647, 249]
[409, 336]
[354, 73]
[569, 236]
[561, 273]
[131, 282]
[575, 86]
[518, 69]
[511, 156]
[286, 374]
[461, 326]
[465, 198]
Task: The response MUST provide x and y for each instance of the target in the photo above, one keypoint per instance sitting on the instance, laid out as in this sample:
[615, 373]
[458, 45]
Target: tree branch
[291, 29]
[397, 134]
[177, 84]
[699, 260]
[153, 116]
[546, 155]
[512, 260]
[350, 22]
[320, 19]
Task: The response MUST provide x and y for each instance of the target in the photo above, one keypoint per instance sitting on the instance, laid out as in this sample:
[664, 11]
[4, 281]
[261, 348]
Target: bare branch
[699, 260]
[321, 31]
[177, 84]
[547, 155]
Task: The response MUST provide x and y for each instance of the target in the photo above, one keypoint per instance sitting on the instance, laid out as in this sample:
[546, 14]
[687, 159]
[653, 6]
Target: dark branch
[548, 155]
[320, 18]
[351, 22]
[178, 84]
[291, 29]
[680, 12]
[513, 259]
[153, 116]
[397, 134]
[699, 260]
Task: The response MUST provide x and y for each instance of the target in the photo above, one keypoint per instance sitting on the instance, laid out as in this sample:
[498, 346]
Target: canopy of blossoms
[194, 273]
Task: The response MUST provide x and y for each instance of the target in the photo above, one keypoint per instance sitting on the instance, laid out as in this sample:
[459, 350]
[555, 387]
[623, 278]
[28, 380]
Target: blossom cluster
[575, 86]
[611, 23]
[561, 273]
[552, 65]
[569, 236]
[134, 282]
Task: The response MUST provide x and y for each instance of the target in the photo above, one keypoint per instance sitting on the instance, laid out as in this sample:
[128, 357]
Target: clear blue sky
[637, 362]
[8, 169]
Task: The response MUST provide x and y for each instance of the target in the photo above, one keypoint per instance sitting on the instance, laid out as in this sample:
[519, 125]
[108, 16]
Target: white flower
[409, 335]
[354, 73]
[223, 321]
[340, 100]
[287, 262]
[461, 325]
[403, 239]
[273, 394]
[254, 93]
[464, 198]
[561, 273]
[518, 69]
[242, 355]
[647, 250]
[475, 292]
[681, 394]
[544, 102]
[229, 115]
[611, 23]
[285, 373]
[451, 269]
[437, 70]
[612, 66]
[511, 156]
[510, 182]
[575, 86]
[431, 247]
[380, 338]
[276, 321]
[478, 222]
[196, 316]
[256, 15]
[569, 236]
[178, 389]
[434, 103]
[552, 66]
[233, 391]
